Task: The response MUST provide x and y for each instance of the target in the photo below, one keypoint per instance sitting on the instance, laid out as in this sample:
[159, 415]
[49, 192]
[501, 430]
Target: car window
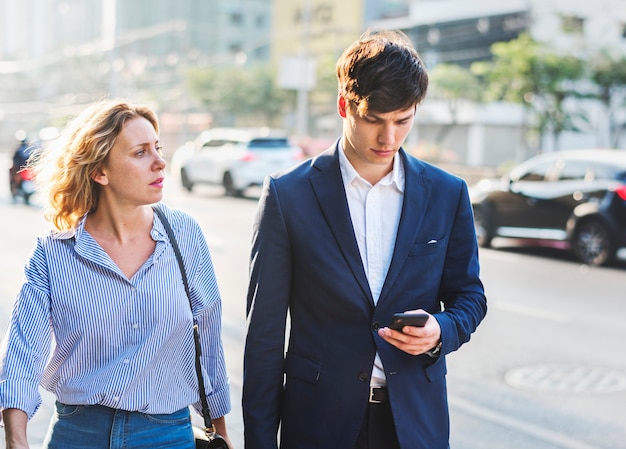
[576, 171]
[265, 143]
[537, 172]
[213, 143]
[602, 171]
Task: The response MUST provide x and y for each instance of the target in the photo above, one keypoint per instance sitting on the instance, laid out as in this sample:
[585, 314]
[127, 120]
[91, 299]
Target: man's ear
[341, 106]
[100, 177]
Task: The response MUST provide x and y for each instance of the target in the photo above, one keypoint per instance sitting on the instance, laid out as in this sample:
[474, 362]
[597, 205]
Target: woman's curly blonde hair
[65, 168]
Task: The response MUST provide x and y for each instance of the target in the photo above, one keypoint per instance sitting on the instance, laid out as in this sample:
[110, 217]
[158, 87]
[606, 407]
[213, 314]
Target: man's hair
[381, 72]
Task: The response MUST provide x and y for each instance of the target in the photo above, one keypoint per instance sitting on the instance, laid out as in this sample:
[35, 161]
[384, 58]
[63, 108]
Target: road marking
[518, 425]
[566, 378]
[521, 310]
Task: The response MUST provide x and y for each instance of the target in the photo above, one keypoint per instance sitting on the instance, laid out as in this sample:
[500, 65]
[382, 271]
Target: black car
[574, 200]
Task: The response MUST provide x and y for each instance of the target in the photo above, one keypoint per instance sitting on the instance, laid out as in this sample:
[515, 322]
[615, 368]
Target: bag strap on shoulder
[206, 414]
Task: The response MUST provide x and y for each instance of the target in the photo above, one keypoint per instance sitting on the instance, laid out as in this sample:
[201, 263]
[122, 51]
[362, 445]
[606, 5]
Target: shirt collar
[75, 232]
[394, 178]
[157, 233]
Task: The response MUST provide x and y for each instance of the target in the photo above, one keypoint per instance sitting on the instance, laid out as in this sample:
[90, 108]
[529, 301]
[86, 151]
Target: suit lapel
[328, 186]
[416, 196]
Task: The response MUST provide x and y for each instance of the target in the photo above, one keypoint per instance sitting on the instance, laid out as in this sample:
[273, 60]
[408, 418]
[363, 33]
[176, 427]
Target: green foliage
[527, 72]
[326, 76]
[511, 74]
[249, 95]
[324, 96]
[522, 71]
[453, 82]
[609, 74]
[238, 94]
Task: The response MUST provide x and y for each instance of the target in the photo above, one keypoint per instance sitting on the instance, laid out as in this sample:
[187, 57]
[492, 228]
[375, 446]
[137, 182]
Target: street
[545, 370]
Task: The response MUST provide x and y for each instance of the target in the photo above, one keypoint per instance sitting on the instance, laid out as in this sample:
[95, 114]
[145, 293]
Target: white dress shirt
[375, 212]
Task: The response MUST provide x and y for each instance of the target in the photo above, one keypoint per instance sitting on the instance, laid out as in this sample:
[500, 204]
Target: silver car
[236, 158]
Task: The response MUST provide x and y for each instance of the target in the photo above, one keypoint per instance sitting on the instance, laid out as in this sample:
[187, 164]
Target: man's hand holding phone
[414, 332]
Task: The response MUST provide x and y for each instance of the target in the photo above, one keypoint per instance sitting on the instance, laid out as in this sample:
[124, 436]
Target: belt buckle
[371, 398]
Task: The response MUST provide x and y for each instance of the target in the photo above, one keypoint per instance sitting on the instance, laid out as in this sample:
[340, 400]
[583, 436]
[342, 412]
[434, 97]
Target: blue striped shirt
[118, 342]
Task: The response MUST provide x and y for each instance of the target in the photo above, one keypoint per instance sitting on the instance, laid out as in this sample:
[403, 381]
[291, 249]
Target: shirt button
[126, 361]
[136, 326]
[116, 398]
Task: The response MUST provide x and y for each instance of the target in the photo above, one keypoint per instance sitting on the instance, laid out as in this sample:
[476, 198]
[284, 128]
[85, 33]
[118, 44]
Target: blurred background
[510, 79]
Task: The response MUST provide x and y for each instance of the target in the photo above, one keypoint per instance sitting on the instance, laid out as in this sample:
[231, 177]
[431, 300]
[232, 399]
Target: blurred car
[236, 158]
[574, 200]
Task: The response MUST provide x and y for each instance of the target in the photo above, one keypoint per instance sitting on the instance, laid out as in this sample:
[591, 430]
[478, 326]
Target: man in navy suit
[341, 243]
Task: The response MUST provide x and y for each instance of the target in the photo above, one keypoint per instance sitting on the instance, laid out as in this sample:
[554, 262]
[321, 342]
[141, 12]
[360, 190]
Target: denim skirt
[99, 427]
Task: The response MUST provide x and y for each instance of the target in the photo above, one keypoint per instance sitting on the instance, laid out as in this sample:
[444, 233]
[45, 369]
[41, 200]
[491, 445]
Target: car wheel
[483, 226]
[229, 185]
[592, 244]
[185, 181]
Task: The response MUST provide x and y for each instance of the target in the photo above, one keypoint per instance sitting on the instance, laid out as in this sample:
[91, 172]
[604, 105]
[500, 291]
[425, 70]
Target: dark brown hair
[382, 72]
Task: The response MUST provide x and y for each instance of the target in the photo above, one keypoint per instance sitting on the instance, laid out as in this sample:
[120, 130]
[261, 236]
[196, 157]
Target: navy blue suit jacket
[305, 265]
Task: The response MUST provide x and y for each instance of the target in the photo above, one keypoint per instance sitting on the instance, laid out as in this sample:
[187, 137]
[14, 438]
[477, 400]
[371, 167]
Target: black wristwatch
[435, 351]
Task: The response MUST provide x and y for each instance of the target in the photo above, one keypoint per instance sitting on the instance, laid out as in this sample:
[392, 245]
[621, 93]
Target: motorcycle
[23, 185]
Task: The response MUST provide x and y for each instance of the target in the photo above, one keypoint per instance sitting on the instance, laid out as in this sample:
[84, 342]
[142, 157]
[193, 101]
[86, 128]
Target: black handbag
[206, 438]
[211, 440]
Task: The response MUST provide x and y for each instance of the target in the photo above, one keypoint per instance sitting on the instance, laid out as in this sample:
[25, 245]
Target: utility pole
[109, 41]
[304, 75]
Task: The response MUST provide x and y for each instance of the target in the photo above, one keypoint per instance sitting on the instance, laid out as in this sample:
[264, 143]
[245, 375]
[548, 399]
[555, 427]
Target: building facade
[461, 32]
[57, 55]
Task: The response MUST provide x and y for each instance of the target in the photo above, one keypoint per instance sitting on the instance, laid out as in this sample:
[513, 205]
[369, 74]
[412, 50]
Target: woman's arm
[15, 428]
[220, 428]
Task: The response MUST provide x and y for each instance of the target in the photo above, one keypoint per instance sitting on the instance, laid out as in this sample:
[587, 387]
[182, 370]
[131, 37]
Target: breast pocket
[431, 246]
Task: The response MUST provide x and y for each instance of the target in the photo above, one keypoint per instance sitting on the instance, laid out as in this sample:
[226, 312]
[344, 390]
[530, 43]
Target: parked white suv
[236, 158]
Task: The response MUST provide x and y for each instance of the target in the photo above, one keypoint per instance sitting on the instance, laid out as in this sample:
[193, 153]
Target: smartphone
[400, 320]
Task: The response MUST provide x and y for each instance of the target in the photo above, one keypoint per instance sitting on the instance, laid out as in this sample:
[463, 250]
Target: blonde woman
[105, 285]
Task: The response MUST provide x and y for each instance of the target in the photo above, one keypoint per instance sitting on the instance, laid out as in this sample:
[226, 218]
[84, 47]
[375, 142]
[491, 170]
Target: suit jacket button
[375, 326]
[363, 376]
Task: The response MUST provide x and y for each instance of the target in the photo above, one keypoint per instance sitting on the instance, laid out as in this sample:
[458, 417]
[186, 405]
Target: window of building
[483, 25]
[433, 36]
[236, 18]
[572, 24]
[235, 48]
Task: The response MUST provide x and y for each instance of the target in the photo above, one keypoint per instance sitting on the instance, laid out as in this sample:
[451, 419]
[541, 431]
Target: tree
[452, 83]
[238, 95]
[510, 75]
[608, 72]
[527, 72]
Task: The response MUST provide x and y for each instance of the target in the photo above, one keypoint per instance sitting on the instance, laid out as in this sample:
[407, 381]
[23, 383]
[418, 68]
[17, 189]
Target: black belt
[378, 395]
